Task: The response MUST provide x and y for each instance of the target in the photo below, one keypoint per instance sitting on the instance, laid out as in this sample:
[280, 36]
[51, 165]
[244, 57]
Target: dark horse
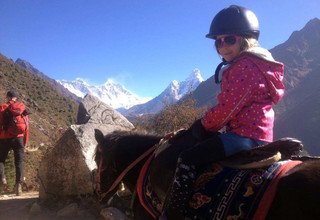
[297, 196]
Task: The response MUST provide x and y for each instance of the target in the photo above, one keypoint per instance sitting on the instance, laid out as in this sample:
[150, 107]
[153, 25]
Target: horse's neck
[136, 151]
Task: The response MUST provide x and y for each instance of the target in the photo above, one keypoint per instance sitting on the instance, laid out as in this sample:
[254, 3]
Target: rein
[135, 162]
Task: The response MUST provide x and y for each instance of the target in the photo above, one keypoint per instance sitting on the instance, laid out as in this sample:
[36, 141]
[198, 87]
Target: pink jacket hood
[272, 70]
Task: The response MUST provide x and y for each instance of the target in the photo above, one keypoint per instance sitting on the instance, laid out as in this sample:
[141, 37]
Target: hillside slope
[52, 111]
[298, 113]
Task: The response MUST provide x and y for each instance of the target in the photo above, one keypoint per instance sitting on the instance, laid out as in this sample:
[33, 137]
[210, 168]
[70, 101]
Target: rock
[112, 213]
[35, 209]
[68, 211]
[85, 215]
[91, 110]
[66, 169]
[83, 116]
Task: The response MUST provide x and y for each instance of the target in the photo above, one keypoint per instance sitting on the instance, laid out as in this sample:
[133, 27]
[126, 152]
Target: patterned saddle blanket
[223, 192]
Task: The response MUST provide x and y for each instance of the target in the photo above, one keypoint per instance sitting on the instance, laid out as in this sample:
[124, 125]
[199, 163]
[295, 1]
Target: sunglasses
[228, 40]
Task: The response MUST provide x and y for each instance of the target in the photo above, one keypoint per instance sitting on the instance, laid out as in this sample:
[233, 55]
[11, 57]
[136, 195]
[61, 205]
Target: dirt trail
[14, 207]
[26, 207]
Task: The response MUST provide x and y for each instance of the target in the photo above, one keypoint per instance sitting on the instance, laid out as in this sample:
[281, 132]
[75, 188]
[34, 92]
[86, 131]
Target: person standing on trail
[14, 132]
[251, 82]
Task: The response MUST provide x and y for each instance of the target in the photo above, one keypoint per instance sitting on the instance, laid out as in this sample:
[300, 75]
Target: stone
[67, 168]
[92, 110]
[35, 209]
[68, 211]
[112, 213]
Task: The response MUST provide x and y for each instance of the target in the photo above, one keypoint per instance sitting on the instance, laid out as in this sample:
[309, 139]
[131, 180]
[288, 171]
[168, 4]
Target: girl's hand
[198, 131]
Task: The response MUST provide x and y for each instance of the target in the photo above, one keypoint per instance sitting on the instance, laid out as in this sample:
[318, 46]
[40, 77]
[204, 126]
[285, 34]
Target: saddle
[282, 149]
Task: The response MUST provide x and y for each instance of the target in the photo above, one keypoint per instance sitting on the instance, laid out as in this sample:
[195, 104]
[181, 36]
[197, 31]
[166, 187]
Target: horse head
[115, 157]
[106, 172]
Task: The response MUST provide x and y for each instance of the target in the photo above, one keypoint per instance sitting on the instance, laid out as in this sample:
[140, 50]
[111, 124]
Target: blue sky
[142, 44]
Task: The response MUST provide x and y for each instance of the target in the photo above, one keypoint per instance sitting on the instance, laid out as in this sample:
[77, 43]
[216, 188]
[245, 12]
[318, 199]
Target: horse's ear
[98, 135]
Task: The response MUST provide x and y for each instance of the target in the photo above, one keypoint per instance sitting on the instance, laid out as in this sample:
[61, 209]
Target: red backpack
[15, 119]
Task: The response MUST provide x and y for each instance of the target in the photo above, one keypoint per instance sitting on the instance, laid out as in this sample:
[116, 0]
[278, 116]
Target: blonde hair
[247, 43]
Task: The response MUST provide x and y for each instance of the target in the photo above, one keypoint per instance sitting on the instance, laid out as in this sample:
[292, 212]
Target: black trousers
[17, 145]
[207, 151]
[188, 165]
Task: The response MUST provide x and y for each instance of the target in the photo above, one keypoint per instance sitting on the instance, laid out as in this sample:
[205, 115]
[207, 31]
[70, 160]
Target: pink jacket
[249, 87]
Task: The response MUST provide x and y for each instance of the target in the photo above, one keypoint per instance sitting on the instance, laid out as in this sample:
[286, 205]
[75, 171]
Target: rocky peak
[27, 66]
[307, 36]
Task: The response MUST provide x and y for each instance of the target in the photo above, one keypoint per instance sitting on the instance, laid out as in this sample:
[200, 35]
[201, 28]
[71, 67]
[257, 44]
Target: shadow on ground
[26, 207]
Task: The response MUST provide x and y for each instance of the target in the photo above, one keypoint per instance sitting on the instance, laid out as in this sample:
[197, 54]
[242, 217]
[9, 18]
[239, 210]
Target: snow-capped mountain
[174, 92]
[128, 103]
[190, 84]
[110, 93]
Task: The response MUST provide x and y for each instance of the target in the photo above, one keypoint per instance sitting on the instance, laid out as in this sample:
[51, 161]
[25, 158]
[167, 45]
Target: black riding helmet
[235, 20]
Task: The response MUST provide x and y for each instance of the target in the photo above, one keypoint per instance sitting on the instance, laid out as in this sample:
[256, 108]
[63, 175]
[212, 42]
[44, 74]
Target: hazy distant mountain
[28, 67]
[110, 93]
[174, 92]
[298, 114]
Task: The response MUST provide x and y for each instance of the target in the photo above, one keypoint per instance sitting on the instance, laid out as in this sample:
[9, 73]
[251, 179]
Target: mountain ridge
[118, 97]
[111, 93]
[30, 68]
[173, 92]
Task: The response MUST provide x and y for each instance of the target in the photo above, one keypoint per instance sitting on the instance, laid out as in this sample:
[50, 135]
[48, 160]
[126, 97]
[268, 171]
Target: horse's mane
[131, 133]
[124, 140]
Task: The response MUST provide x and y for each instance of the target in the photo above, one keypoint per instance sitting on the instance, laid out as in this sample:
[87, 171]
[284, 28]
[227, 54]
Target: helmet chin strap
[217, 71]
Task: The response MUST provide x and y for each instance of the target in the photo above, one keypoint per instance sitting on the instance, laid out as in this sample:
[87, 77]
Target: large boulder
[66, 169]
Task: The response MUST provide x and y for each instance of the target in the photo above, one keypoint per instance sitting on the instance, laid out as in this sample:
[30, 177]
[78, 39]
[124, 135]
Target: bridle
[133, 164]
